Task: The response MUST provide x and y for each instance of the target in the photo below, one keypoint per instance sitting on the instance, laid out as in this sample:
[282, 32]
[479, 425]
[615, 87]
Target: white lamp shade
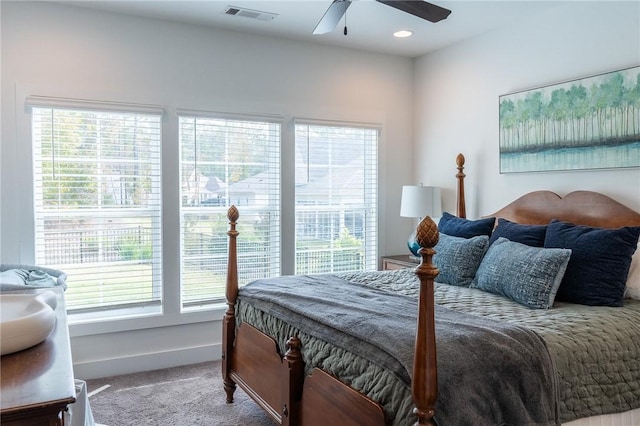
[421, 201]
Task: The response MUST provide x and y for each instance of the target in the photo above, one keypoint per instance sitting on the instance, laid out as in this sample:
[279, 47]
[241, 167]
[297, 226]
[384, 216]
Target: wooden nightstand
[398, 262]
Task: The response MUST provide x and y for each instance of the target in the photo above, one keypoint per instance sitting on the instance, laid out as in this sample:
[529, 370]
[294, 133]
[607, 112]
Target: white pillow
[633, 279]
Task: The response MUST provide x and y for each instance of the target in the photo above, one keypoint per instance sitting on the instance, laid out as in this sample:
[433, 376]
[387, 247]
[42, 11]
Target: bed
[465, 342]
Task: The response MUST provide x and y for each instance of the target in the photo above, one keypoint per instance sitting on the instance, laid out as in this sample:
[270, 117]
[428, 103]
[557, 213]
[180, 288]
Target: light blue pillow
[458, 258]
[528, 275]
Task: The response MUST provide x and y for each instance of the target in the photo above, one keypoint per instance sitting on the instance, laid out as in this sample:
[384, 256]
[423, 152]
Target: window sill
[139, 319]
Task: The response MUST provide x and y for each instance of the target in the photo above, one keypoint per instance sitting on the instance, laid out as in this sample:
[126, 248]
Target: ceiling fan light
[403, 34]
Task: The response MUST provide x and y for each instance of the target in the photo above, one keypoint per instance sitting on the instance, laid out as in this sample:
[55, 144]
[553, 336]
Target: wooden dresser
[36, 384]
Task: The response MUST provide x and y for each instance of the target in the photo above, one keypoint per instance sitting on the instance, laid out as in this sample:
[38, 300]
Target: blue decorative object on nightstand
[413, 244]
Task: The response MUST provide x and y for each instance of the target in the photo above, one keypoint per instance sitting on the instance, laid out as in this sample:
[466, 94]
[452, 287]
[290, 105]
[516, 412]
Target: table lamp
[419, 201]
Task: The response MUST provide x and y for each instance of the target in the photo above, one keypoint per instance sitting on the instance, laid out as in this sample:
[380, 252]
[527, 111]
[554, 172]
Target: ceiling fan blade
[332, 16]
[419, 8]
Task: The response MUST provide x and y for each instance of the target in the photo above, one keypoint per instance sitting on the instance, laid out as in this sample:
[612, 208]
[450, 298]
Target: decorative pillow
[632, 290]
[531, 235]
[458, 258]
[465, 228]
[528, 275]
[599, 264]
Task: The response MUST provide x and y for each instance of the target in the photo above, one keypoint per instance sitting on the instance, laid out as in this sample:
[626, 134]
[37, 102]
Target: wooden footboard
[259, 369]
[328, 401]
[276, 381]
[277, 384]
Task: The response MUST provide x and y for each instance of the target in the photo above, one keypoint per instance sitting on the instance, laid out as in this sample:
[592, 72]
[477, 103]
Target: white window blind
[335, 198]
[97, 204]
[224, 162]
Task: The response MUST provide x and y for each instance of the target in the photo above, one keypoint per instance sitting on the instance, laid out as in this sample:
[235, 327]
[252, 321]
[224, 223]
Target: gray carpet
[190, 395]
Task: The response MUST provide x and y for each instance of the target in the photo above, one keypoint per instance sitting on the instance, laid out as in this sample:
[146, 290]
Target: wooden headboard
[540, 207]
[579, 207]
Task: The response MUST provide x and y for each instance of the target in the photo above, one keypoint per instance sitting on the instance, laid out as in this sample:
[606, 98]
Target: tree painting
[592, 123]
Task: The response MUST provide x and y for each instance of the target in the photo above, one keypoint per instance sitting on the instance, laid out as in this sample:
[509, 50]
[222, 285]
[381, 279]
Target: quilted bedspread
[595, 350]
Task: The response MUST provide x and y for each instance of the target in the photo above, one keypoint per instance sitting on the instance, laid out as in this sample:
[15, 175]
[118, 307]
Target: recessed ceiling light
[403, 33]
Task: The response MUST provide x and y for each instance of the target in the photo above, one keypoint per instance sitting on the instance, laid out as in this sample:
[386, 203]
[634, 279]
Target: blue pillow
[458, 258]
[599, 264]
[528, 275]
[531, 235]
[465, 228]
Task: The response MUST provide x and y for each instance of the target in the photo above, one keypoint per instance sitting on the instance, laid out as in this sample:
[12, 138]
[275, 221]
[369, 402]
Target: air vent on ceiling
[248, 13]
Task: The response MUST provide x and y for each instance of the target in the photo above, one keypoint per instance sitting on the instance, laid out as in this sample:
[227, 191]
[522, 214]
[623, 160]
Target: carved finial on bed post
[232, 264]
[461, 209]
[425, 374]
[229, 320]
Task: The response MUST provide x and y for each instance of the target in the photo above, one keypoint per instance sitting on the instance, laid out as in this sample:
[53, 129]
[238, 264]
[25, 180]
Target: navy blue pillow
[465, 228]
[599, 263]
[531, 235]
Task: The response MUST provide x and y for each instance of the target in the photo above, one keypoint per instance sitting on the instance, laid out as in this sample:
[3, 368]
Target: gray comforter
[490, 372]
[595, 349]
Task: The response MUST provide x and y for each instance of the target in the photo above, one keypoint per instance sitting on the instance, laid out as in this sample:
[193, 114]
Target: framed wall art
[590, 123]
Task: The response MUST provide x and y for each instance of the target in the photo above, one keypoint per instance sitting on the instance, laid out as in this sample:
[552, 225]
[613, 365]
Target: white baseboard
[146, 362]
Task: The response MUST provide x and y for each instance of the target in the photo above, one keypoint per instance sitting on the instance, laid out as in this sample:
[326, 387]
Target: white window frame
[121, 309]
[202, 208]
[173, 312]
[369, 208]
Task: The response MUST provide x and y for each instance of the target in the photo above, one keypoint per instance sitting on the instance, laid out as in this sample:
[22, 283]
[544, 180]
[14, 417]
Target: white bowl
[25, 320]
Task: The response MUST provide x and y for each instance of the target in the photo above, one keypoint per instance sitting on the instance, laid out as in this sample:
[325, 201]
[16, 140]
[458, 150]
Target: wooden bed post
[229, 320]
[424, 385]
[425, 374]
[461, 209]
[293, 382]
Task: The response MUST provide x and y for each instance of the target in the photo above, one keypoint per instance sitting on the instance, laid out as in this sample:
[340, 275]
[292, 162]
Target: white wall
[56, 50]
[457, 89]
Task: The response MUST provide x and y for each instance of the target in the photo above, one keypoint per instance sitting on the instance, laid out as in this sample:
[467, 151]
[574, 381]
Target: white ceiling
[370, 23]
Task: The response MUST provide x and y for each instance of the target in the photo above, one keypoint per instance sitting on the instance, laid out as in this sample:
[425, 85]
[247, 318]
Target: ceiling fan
[419, 8]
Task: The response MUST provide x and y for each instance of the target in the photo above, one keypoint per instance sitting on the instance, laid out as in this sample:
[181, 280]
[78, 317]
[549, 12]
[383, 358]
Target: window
[97, 204]
[225, 161]
[335, 198]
